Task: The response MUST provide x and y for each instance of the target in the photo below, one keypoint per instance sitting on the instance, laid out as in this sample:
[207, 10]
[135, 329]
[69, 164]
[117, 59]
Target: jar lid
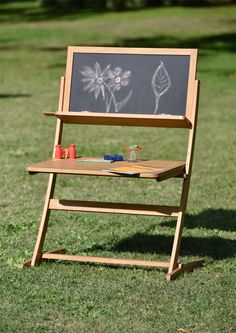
[134, 147]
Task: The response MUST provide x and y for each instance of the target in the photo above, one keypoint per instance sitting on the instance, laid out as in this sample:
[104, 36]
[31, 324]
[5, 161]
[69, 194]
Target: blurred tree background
[124, 4]
[131, 4]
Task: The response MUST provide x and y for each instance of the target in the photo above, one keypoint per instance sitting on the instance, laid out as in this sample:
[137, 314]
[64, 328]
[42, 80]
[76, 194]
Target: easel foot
[189, 267]
[27, 263]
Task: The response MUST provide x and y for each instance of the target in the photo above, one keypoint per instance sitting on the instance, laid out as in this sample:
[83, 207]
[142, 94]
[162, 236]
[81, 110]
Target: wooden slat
[61, 95]
[91, 118]
[131, 50]
[112, 207]
[112, 261]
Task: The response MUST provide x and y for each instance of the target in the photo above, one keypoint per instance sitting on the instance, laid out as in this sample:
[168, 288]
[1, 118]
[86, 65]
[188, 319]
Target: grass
[62, 297]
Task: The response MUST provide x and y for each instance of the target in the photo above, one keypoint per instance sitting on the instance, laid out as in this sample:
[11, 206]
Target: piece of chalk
[94, 160]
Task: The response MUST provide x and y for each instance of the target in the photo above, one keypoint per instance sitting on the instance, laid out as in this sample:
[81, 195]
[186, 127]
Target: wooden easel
[168, 170]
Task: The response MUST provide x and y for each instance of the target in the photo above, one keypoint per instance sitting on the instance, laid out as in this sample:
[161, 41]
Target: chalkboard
[128, 81]
[133, 84]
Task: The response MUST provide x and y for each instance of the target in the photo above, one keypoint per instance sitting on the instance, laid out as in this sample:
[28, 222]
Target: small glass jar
[133, 153]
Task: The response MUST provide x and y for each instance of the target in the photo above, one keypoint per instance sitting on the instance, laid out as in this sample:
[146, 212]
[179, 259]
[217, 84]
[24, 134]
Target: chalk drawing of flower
[107, 82]
[95, 79]
[119, 79]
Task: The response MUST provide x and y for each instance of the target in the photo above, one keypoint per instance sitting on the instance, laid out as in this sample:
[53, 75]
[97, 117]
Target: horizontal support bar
[180, 269]
[115, 208]
[112, 261]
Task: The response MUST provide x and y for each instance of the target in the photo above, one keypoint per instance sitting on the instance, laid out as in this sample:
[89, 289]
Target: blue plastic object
[113, 157]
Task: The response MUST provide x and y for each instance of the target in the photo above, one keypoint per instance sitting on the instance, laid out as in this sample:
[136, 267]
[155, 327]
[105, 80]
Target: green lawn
[61, 297]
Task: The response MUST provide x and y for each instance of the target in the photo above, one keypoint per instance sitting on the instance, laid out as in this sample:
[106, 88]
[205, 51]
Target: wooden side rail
[114, 208]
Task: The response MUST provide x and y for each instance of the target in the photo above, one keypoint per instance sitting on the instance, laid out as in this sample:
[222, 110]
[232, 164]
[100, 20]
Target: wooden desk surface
[166, 169]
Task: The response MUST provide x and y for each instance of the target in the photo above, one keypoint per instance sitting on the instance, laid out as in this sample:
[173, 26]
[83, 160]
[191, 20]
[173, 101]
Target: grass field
[61, 297]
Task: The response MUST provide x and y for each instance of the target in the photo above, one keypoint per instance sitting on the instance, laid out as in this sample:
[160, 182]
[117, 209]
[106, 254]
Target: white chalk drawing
[107, 82]
[160, 83]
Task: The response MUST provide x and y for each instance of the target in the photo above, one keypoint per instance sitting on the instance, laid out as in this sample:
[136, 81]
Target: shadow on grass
[14, 95]
[220, 219]
[224, 42]
[62, 48]
[37, 13]
[214, 247]
[218, 42]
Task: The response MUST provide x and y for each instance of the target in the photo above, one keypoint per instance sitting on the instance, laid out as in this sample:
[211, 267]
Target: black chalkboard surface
[129, 83]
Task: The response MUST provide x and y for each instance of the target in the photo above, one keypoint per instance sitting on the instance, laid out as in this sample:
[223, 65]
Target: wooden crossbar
[102, 260]
[112, 207]
[60, 255]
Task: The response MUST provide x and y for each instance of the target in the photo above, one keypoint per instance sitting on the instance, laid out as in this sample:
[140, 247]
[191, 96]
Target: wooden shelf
[167, 169]
[93, 118]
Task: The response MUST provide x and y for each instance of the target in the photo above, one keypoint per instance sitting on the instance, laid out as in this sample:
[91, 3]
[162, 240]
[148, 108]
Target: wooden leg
[179, 227]
[176, 243]
[176, 269]
[37, 255]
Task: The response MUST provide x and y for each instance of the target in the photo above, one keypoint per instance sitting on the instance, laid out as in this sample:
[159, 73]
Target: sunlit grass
[60, 297]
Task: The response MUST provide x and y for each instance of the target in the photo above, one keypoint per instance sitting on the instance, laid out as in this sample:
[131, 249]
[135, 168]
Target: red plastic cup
[58, 152]
[72, 151]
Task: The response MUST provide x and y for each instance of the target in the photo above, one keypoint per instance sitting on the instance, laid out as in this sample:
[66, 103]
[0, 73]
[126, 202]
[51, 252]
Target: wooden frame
[127, 119]
[180, 169]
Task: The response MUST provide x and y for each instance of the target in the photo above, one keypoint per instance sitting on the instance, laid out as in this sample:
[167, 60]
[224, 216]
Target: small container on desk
[58, 152]
[133, 153]
[72, 151]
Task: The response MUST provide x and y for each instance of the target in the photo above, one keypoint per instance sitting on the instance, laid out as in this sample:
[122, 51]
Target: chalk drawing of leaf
[160, 83]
